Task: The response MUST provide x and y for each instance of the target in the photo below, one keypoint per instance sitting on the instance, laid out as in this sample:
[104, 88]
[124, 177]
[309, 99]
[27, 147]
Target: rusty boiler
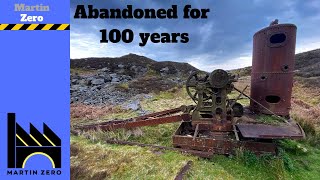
[272, 68]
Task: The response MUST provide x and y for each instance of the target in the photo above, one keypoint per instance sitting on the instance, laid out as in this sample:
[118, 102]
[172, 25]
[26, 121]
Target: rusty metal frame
[126, 124]
[220, 145]
[222, 137]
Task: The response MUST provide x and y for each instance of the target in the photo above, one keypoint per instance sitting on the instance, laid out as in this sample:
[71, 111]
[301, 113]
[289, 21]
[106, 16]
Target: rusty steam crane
[217, 124]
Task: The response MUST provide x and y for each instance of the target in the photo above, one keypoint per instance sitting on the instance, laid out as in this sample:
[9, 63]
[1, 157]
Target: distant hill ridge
[129, 61]
[307, 64]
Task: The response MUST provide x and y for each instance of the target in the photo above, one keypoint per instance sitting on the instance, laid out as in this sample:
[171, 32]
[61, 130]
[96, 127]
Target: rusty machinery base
[216, 138]
[227, 138]
[219, 142]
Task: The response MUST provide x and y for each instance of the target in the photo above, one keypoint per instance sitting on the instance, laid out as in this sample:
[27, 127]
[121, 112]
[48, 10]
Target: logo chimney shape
[22, 146]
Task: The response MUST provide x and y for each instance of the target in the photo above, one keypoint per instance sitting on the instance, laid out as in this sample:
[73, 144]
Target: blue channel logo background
[34, 81]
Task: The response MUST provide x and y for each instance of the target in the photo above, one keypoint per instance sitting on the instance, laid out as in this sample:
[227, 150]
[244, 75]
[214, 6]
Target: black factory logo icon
[22, 146]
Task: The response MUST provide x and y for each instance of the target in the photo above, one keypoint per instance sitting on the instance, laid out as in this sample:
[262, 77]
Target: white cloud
[84, 45]
[88, 44]
[208, 62]
[308, 44]
[206, 31]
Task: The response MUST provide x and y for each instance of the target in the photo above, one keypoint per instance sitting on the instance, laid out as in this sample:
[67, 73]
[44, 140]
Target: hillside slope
[130, 61]
[307, 64]
[119, 88]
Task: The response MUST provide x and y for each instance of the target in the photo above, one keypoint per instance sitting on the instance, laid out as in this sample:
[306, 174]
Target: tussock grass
[309, 95]
[81, 111]
[95, 160]
[123, 87]
[269, 119]
[87, 114]
[159, 135]
[104, 161]
[164, 100]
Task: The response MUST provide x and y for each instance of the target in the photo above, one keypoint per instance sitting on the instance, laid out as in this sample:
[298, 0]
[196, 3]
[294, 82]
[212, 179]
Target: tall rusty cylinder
[272, 68]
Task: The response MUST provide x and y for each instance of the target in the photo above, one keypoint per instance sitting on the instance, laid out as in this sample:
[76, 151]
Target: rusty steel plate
[272, 69]
[126, 124]
[222, 146]
[263, 131]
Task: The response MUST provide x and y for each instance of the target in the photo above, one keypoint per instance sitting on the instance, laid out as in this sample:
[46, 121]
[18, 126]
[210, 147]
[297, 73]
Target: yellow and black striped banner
[30, 27]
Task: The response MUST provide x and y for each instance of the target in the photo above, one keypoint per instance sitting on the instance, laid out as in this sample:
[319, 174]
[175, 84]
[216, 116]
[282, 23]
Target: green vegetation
[93, 159]
[158, 135]
[98, 161]
[164, 100]
[123, 86]
[267, 119]
[243, 100]
[151, 72]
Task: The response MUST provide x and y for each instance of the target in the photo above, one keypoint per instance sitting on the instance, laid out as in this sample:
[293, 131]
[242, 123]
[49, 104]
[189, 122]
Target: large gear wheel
[219, 78]
[196, 80]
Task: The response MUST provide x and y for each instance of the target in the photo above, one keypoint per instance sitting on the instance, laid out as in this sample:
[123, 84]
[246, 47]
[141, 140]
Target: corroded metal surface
[272, 68]
[167, 116]
[183, 171]
[218, 142]
[132, 123]
[223, 146]
[264, 131]
[210, 92]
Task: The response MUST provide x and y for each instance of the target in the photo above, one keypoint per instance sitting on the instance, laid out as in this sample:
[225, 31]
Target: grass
[309, 95]
[85, 114]
[267, 119]
[91, 160]
[159, 135]
[96, 160]
[167, 100]
[151, 72]
[123, 86]
[243, 100]
[101, 161]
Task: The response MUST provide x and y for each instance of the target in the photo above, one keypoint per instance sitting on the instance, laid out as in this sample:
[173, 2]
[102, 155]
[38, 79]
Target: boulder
[74, 81]
[97, 81]
[115, 80]
[164, 71]
[133, 105]
[120, 66]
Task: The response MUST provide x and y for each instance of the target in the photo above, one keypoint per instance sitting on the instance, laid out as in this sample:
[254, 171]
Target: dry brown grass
[92, 112]
[242, 83]
[300, 107]
[301, 110]
[306, 93]
[305, 105]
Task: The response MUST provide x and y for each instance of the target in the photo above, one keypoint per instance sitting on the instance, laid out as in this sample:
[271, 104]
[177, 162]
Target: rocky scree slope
[99, 81]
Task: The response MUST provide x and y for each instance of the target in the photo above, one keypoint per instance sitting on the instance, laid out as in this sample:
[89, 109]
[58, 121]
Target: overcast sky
[224, 40]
